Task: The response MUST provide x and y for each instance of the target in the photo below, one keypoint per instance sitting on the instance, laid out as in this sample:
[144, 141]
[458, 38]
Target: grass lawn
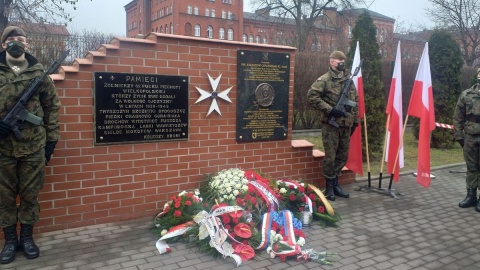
[438, 157]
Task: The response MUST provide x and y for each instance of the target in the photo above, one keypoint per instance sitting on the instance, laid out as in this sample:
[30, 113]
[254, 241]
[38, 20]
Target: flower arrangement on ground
[239, 216]
[298, 197]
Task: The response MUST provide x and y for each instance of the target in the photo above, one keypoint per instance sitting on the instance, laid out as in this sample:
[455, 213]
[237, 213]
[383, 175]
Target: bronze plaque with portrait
[262, 98]
[140, 107]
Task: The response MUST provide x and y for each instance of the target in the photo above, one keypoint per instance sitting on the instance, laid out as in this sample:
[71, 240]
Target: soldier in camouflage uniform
[323, 96]
[466, 122]
[22, 161]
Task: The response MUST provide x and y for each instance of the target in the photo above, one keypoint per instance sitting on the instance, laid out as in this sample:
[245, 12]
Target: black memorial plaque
[262, 99]
[140, 107]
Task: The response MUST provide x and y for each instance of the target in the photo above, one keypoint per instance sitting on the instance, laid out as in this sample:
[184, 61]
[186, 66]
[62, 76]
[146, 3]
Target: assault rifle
[18, 114]
[343, 100]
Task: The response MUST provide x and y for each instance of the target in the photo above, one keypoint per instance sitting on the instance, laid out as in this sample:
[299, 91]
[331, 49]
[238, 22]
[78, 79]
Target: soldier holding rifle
[338, 121]
[26, 147]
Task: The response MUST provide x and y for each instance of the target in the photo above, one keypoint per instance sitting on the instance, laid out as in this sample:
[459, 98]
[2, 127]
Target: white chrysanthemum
[235, 192]
[244, 181]
[238, 186]
[197, 192]
[163, 232]
[225, 196]
[245, 188]
[279, 182]
[283, 190]
[182, 193]
[228, 189]
[231, 197]
[301, 241]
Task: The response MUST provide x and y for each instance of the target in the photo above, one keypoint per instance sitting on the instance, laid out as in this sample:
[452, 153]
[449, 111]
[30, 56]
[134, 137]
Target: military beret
[337, 55]
[12, 31]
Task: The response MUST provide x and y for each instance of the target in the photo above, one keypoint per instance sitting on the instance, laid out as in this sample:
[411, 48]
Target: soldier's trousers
[471, 153]
[23, 177]
[336, 142]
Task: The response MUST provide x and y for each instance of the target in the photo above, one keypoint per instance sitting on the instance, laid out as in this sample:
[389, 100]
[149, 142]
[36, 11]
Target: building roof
[359, 11]
[41, 29]
[269, 19]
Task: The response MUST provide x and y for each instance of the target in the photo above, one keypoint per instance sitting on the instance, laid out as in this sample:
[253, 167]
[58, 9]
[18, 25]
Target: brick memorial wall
[94, 178]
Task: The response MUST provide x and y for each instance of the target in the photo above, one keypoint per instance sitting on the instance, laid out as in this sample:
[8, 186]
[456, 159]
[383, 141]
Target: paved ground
[423, 229]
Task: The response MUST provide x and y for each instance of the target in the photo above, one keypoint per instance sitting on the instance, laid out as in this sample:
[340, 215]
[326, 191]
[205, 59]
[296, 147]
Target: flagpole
[384, 151]
[398, 153]
[366, 149]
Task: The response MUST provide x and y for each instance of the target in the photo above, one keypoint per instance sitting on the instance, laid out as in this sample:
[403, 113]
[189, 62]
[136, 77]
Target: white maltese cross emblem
[214, 94]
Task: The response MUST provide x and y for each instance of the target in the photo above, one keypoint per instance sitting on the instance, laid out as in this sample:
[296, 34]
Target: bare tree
[34, 11]
[304, 12]
[462, 18]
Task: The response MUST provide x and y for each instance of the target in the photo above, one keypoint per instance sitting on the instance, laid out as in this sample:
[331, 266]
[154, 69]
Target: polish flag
[421, 106]
[355, 159]
[395, 127]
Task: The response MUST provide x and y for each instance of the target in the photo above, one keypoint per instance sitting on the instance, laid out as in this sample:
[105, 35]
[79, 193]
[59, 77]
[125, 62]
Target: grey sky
[108, 16]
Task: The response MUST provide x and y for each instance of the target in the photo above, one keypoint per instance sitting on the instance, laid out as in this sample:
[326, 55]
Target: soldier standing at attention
[466, 123]
[22, 161]
[323, 96]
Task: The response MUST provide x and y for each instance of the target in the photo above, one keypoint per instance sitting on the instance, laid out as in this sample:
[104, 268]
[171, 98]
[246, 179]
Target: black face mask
[341, 66]
[15, 48]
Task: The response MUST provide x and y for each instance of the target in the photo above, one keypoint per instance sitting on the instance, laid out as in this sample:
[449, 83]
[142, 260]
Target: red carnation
[251, 189]
[300, 209]
[177, 204]
[321, 209]
[253, 200]
[177, 213]
[301, 189]
[235, 220]
[292, 197]
[302, 199]
[188, 203]
[247, 197]
[226, 219]
[312, 197]
[189, 194]
[240, 202]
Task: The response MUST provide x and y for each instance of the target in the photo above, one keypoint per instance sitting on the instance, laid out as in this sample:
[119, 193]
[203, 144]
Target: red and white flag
[421, 106]
[395, 126]
[355, 159]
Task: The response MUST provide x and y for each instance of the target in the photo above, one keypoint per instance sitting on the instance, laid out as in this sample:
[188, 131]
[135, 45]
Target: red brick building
[225, 20]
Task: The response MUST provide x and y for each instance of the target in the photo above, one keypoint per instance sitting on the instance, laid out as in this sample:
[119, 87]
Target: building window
[257, 39]
[227, 1]
[207, 12]
[230, 34]
[244, 38]
[221, 33]
[250, 38]
[209, 31]
[161, 29]
[230, 15]
[265, 40]
[197, 30]
[213, 13]
[171, 28]
[166, 29]
[224, 14]
[195, 10]
[189, 9]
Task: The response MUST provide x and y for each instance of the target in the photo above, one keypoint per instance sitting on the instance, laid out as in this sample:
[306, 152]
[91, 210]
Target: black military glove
[352, 129]
[461, 142]
[5, 129]
[337, 113]
[49, 147]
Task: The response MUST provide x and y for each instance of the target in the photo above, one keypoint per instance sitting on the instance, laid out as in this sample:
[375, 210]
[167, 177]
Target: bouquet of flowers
[179, 210]
[299, 197]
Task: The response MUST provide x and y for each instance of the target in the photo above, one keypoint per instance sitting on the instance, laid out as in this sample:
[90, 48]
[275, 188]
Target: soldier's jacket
[44, 104]
[324, 93]
[466, 118]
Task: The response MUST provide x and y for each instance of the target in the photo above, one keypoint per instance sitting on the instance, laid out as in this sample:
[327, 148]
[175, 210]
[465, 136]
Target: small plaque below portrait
[262, 98]
[140, 107]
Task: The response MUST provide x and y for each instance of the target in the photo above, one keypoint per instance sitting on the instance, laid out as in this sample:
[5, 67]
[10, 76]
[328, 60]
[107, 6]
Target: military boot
[30, 250]
[329, 193]
[338, 190]
[470, 200]
[11, 244]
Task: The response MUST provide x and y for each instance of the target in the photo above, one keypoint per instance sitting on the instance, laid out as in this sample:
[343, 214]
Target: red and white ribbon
[444, 125]
[175, 231]
[266, 193]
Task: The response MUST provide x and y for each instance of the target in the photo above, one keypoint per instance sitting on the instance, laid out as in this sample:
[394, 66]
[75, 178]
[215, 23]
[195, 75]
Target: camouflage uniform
[466, 121]
[323, 96]
[22, 162]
